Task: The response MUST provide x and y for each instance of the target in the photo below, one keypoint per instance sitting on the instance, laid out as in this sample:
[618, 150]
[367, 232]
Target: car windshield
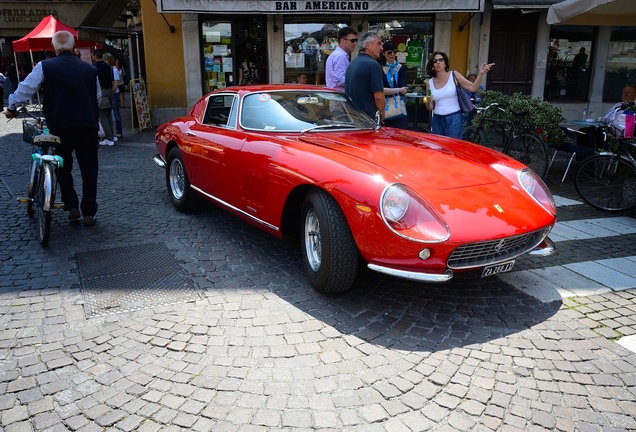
[301, 111]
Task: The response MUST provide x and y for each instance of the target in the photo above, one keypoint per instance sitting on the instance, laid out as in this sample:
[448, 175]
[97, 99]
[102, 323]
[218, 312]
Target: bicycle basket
[29, 131]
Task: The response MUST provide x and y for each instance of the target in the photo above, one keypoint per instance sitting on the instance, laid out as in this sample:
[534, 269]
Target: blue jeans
[116, 113]
[450, 125]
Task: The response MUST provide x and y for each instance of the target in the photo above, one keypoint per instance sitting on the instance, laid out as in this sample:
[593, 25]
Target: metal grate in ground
[130, 278]
[15, 185]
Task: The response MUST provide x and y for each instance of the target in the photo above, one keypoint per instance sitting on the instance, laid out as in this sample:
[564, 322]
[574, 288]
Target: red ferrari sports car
[302, 162]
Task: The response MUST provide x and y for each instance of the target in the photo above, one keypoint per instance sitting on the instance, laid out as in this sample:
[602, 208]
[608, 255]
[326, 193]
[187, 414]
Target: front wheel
[330, 255]
[530, 150]
[607, 182]
[181, 194]
[45, 199]
[471, 134]
[32, 186]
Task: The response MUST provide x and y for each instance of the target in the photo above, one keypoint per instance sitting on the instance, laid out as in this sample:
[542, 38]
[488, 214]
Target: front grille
[494, 251]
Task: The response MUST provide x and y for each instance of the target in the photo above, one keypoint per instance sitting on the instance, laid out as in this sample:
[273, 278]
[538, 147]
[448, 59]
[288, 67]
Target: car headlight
[537, 189]
[410, 216]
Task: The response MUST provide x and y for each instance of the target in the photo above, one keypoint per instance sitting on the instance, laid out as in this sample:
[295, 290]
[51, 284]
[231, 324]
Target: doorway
[512, 48]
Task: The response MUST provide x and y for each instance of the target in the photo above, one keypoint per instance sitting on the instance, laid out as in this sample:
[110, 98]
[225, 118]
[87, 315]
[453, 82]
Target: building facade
[185, 48]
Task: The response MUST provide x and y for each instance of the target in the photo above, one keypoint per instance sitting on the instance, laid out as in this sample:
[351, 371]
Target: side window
[218, 111]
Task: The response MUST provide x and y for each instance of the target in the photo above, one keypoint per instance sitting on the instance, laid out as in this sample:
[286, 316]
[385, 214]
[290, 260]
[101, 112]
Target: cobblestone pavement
[247, 345]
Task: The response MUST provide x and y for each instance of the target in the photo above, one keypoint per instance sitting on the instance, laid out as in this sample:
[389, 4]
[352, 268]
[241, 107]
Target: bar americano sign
[316, 6]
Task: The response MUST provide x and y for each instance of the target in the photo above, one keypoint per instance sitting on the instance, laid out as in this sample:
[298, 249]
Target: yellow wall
[459, 43]
[165, 75]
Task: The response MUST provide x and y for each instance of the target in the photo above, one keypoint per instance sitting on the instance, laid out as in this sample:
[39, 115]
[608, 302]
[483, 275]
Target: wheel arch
[171, 144]
[290, 218]
[291, 215]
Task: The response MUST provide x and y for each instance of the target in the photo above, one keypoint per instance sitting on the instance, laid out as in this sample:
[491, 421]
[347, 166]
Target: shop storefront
[284, 39]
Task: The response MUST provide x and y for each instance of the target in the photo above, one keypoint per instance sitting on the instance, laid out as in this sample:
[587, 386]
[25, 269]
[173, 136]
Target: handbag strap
[454, 79]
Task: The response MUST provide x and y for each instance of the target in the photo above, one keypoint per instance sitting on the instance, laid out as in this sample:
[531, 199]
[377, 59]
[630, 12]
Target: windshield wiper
[329, 126]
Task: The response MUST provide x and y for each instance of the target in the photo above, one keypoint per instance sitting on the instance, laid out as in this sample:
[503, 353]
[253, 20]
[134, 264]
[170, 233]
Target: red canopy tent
[39, 39]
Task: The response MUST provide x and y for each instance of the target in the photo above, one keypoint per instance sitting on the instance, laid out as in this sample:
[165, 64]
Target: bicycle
[509, 137]
[607, 180]
[42, 183]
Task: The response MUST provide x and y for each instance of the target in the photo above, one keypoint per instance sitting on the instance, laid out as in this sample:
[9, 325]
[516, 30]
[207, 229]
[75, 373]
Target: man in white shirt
[338, 60]
[614, 115]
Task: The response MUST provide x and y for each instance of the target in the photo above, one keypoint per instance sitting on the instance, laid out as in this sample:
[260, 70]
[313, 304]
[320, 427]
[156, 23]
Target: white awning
[593, 12]
[348, 7]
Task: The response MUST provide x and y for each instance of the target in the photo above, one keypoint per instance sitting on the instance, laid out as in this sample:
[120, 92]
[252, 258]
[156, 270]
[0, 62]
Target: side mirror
[378, 120]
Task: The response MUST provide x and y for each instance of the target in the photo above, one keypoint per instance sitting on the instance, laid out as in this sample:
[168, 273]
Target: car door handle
[190, 133]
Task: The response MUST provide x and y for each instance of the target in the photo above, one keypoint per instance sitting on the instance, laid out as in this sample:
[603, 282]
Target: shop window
[307, 46]
[621, 62]
[413, 39]
[228, 44]
[568, 67]
[218, 63]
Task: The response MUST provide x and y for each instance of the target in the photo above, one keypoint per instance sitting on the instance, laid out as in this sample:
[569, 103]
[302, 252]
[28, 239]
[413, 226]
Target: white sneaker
[115, 139]
[106, 142]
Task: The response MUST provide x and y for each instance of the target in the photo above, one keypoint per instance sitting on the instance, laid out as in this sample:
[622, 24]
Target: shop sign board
[21, 15]
[141, 111]
[318, 6]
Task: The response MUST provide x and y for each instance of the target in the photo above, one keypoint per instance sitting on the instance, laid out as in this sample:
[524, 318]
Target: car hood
[416, 157]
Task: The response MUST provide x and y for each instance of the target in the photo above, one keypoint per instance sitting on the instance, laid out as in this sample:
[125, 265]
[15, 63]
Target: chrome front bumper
[545, 248]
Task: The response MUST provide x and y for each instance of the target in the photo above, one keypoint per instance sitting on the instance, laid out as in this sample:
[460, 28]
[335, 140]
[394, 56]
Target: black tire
[530, 150]
[181, 194]
[46, 194]
[329, 252]
[607, 182]
[32, 186]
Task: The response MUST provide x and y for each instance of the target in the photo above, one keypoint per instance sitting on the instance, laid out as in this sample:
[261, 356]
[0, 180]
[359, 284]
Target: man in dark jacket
[71, 96]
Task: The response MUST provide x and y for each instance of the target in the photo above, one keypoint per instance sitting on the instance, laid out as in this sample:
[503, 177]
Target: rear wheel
[181, 194]
[46, 196]
[530, 150]
[607, 182]
[330, 255]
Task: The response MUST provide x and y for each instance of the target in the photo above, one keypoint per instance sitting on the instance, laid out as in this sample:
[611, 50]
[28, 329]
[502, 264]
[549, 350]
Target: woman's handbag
[465, 104]
[394, 107]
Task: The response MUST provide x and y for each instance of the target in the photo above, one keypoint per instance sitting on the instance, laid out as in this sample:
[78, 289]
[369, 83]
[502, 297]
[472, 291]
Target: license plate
[498, 268]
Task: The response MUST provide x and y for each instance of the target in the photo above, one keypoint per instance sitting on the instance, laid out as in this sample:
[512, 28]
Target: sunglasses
[389, 52]
[353, 40]
[434, 61]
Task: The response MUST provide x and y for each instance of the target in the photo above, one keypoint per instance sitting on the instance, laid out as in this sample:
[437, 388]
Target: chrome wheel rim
[313, 243]
[177, 179]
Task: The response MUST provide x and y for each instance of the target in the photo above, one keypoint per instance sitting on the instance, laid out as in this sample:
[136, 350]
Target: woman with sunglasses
[442, 99]
[394, 80]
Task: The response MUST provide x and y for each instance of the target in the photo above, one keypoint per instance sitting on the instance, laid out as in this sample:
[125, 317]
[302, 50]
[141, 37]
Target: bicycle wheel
[530, 150]
[607, 182]
[491, 136]
[471, 134]
[46, 195]
[32, 186]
